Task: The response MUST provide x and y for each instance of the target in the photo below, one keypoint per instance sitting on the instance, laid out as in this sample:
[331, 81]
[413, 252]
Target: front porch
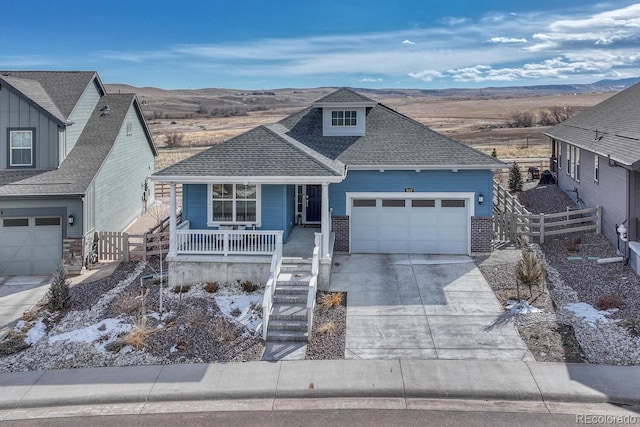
[226, 255]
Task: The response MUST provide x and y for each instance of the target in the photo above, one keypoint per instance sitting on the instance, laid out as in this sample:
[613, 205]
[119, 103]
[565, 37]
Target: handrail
[313, 284]
[269, 291]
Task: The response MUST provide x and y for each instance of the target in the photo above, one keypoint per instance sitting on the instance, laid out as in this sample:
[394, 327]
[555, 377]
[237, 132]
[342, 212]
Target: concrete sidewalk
[397, 382]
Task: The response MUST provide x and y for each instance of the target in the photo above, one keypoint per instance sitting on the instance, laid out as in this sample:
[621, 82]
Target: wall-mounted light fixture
[71, 219]
[480, 198]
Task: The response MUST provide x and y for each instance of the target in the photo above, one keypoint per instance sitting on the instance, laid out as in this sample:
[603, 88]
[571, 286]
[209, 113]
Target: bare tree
[520, 119]
[174, 139]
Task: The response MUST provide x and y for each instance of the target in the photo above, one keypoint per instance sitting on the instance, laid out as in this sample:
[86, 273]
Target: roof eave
[183, 179]
[496, 166]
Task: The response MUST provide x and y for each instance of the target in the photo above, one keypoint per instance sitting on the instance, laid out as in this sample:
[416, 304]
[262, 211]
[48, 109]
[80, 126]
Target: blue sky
[262, 44]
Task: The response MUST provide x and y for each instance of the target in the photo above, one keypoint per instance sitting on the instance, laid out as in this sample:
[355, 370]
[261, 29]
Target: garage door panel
[28, 246]
[420, 227]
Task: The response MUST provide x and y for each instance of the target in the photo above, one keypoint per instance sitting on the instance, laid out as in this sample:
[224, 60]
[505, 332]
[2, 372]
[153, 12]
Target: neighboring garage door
[399, 224]
[30, 245]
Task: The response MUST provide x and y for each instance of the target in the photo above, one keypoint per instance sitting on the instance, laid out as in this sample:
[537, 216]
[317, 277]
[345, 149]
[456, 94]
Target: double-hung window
[234, 204]
[344, 118]
[20, 148]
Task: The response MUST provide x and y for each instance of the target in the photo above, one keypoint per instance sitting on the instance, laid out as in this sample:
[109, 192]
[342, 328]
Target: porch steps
[288, 319]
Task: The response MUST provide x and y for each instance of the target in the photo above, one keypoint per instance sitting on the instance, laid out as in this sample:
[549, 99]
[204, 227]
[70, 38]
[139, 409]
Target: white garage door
[399, 224]
[30, 245]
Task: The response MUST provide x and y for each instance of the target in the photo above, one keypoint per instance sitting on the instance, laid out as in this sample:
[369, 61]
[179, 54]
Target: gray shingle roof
[617, 123]
[258, 152]
[83, 162]
[296, 147]
[390, 139]
[63, 88]
[344, 95]
[34, 91]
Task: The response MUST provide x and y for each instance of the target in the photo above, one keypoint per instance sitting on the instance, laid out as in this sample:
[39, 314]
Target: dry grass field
[481, 122]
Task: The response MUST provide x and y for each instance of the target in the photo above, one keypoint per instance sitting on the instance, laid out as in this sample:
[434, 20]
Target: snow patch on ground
[589, 313]
[239, 308]
[37, 331]
[521, 307]
[99, 334]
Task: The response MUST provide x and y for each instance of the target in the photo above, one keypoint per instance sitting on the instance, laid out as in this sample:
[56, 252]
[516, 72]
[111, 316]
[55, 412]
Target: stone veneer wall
[73, 255]
[481, 234]
[340, 226]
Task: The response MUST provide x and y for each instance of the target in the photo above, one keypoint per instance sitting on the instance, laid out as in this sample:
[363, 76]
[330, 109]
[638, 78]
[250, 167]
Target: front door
[313, 196]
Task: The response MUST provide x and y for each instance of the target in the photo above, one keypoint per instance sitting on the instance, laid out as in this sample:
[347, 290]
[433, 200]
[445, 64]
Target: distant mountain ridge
[223, 101]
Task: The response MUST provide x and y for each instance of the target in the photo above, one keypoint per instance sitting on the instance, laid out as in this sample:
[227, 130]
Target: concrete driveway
[421, 307]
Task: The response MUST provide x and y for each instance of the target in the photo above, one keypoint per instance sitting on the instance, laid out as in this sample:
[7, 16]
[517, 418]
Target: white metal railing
[270, 289]
[227, 242]
[313, 283]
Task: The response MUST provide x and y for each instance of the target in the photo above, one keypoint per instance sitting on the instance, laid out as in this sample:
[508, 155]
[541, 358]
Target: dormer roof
[344, 97]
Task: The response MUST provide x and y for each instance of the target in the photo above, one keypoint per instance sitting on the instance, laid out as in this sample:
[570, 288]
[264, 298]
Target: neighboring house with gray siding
[73, 160]
[596, 155]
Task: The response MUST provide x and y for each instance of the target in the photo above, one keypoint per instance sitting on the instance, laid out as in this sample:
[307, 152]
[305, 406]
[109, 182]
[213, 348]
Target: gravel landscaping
[591, 311]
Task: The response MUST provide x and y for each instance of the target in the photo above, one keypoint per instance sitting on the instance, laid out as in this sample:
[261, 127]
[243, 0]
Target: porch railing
[269, 290]
[227, 242]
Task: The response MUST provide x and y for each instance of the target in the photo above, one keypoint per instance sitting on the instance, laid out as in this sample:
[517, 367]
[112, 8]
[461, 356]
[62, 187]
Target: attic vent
[105, 110]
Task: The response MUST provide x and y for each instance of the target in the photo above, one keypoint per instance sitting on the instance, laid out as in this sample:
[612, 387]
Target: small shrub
[249, 286]
[13, 343]
[327, 328]
[529, 270]
[181, 289]
[494, 153]
[225, 330]
[607, 302]
[128, 303]
[574, 245]
[331, 300]
[632, 325]
[236, 312]
[139, 335]
[59, 294]
[211, 287]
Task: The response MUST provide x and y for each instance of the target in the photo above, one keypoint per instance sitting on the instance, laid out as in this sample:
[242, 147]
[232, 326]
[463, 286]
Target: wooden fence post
[599, 219]
[541, 228]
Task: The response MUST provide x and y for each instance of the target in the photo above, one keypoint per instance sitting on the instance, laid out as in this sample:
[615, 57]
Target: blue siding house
[369, 178]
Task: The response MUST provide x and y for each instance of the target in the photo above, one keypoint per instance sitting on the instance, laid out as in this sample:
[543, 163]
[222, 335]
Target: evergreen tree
[59, 295]
[515, 178]
[494, 153]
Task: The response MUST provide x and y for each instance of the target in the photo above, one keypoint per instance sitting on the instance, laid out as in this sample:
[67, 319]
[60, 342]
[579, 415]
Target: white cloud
[452, 21]
[547, 46]
[506, 40]
[426, 75]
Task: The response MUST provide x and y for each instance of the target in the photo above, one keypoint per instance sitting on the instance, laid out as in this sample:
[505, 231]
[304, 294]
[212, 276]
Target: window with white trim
[234, 204]
[21, 148]
[596, 168]
[344, 118]
[573, 162]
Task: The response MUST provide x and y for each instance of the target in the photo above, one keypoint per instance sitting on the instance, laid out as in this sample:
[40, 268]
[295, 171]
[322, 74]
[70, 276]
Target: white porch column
[325, 221]
[172, 219]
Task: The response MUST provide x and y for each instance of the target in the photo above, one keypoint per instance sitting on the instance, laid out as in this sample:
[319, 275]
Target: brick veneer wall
[481, 234]
[340, 226]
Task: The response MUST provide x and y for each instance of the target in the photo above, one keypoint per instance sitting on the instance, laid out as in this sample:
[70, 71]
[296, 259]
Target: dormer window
[344, 118]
